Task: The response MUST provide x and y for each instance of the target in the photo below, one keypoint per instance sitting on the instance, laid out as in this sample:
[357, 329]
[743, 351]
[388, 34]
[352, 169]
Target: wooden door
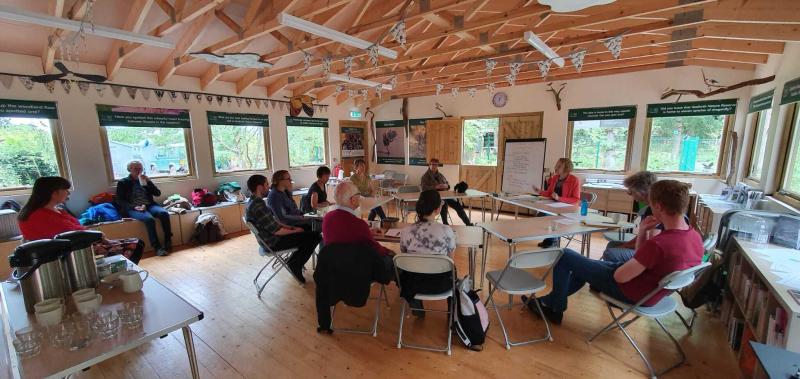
[351, 125]
[444, 140]
[481, 178]
[515, 127]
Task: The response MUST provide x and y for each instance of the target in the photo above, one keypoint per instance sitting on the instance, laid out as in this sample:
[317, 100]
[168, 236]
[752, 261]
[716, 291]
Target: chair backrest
[388, 174]
[683, 278]
[535, 259]
[386, 183]
[254, 232]
[400, 178]
[409, 189]
[423, 263]
[590, 197]
[710, 242]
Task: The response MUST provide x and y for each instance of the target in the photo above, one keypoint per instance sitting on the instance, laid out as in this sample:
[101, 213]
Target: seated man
[278, 236]
[344, 226]
[638, 186]
[676, 248]
[281, 202]
[135, 194]
[434, 180]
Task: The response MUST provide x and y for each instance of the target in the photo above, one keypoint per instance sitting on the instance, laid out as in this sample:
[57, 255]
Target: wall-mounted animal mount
[444, 114]
[557, 94]
[717, 88]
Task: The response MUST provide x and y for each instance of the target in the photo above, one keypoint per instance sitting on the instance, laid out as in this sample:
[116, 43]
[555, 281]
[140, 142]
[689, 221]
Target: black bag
[206, 233]
[461, 187]
[472, 319]
[305, 203]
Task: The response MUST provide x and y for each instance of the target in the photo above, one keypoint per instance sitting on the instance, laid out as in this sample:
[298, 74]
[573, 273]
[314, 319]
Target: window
[29, 143]
[239, 142]
[159, 138]
[687, 137]
[759, 147]
[790, 182]
[307, 139]
[599, 138]
[480, 142]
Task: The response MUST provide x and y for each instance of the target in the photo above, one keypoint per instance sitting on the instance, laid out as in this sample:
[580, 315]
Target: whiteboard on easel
[523, 165]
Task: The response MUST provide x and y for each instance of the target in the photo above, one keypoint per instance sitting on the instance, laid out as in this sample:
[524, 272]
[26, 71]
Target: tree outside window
[238, 148]
[689, 144]
[306, 145]
[480, 142]
[27, 151]
[162, 151]
[759, 147]
[600, 144]
[791, 177]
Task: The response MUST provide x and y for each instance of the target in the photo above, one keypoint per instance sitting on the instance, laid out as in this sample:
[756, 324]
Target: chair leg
[615, 323]
[677, 345]
[688, 324]
[402, 318]
[541, 313]
[375, 320]
[500, 319]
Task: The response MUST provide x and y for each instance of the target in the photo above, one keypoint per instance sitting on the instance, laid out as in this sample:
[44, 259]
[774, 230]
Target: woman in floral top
[426, 236]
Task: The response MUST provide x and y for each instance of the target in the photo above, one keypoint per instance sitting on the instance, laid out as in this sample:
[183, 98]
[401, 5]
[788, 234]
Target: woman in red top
[42, 218]
[562, 186]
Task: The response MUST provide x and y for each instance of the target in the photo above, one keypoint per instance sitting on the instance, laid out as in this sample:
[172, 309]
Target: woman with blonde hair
[562, 186]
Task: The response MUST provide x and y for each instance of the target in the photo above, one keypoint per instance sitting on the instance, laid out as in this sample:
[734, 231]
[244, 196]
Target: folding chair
[427, 264]
[514, 280]
[382, 295]
[278, 258]
[664, 307]
[709, 243]
[407, 207]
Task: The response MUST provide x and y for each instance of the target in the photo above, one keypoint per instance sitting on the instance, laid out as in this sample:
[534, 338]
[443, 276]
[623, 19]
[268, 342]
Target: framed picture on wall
[352, 142]
[390, 140]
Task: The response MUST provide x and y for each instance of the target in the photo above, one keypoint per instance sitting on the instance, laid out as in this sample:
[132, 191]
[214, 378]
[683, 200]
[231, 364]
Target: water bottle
[762, 235]
[584, 207]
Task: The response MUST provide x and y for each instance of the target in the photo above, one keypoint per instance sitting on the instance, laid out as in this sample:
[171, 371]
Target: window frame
[628, 149]
[497, 139]
[56, 132]
[723, 151]
[325, 142]
[756, 116]
[190, 175]
[267, 154]
[792, 119]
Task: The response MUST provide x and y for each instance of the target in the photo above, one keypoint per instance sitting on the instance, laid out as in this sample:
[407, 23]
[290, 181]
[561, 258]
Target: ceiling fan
[46, 78]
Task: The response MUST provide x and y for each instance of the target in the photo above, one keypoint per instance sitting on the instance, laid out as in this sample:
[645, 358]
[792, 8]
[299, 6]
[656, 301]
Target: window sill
[689, 175]
[240, 172]
[164, 179]
[598, 171]
[793, 201]
[13, 191]
[314, 166]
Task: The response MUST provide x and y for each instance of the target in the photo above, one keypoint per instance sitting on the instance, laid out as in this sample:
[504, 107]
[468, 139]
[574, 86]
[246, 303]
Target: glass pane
[238, 148]
[600, 144]
[306, 145]
[161, 150]
[27, 151]
[480, 142]
[688, 144]
[759, 144]
[791, 179]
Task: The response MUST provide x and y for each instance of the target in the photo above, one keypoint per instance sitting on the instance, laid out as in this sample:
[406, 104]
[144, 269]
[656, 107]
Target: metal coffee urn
[40, 270]
[81, 267]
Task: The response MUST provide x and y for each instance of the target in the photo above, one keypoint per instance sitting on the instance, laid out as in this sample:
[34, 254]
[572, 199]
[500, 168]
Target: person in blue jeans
[135, 194]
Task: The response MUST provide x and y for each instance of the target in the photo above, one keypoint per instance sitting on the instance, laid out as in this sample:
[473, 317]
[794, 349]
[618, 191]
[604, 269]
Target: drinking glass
[106, 325]
[61, 334]
[131, 314]
[28, 342]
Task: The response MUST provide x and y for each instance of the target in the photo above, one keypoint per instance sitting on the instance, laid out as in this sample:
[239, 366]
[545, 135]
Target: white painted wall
[81, 131]
[638, 88]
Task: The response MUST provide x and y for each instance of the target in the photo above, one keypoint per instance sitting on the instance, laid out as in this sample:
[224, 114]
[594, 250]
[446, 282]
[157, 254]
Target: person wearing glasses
[434, 180]
[280, 201]
[562, 186]
[638, 186]
[135, 199]
[277, 235]
[362, 182]
[344, 226]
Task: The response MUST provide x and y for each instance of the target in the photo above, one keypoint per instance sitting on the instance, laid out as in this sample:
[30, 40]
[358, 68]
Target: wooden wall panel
[444, 140]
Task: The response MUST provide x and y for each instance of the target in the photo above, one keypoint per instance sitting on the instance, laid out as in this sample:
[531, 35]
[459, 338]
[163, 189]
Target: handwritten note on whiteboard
[523, 165]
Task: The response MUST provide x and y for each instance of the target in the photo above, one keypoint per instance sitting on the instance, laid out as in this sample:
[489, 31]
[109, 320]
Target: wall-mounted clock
[500, 99]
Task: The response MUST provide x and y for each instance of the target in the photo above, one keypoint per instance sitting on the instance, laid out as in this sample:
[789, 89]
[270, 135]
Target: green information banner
[417, 147]
[141, 117]
[390, 140]
[694, 108]
[307, 121]
[605, 113]
[240, 119]
[791, 92]
[28, 109]
[761, 102]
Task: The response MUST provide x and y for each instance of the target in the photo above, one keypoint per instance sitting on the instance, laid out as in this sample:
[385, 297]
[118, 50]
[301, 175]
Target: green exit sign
[355, 114]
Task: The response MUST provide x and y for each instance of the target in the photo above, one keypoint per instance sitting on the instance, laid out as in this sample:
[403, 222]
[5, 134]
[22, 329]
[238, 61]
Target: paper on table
[559, 205]
[566, 221]
[791, 281]
[393, 232]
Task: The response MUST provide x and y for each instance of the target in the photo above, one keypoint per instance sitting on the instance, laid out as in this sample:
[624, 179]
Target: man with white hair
[135, 194]
[344, 226]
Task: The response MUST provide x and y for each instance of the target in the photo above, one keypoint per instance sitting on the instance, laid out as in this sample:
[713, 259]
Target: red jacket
[570, 190]
[341, 226]
[45, 223]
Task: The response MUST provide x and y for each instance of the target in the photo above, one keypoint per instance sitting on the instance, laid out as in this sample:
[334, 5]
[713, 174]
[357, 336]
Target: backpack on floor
[208, 229]
[472, 319]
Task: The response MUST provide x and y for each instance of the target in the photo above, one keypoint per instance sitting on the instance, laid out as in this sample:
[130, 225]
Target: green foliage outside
[791, 182]
[163, 147]
[668, 139]
[759, 144]
[306, 145]
[27, 151]
[600, 144]
[238, 147]
[480, 142]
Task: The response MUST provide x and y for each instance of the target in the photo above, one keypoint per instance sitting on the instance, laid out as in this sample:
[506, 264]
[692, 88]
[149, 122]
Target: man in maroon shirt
[343, 225]
[676, 248]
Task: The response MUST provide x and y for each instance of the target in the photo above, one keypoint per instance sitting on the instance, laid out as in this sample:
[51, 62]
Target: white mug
[50, 317]
[89, 305]
[48, 305]
[131, 281]
[84, 294]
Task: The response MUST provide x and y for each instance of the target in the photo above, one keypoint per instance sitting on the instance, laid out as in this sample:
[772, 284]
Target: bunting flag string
[27, 82]
[83, 87]
[490, 65]
[490, 87]
[51, 86]
[544, 67]
[306, 61]
[614, 45]
[100, 88]
[399, 33]
[67, 85]
[348, 66]
[577, 59]
[146, 94]
[439, 88]
[454, 91]
[326, 66]
[471, 92]
[116, 90]
[6, 80]
[372, 51]
[378, 90]
[393, 82]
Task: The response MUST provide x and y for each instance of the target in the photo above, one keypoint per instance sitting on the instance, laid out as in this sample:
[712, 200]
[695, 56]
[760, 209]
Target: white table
[164, 312]
[447, 195]
[534, 202]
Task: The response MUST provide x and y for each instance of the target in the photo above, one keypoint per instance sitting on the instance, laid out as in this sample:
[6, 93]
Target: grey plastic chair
[407, 207]
[277, 259]
[709, 243]
[382, 295]
[427, 264]
[664, 307]
[515, 280]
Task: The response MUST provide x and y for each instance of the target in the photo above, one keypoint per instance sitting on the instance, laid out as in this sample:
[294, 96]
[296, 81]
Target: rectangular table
[447, 195]
[534, 202]
[164, 312]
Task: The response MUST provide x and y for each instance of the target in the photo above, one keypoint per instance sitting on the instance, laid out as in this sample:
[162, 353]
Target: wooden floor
[243, 336]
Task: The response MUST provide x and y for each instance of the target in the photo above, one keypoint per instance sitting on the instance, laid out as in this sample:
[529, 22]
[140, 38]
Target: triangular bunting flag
[258, 104]
[116, 90]
[186, 97]
[131, 92]
[26, 82]
[159, 94]
[6, 80]
[173, 95]
[145, 93]
[614, 45]
[249, 102]
[51, 86]
[209, 98]
[577, 59]
[219, 99]
[239, 101]
[199, 98]
[228, 99]
[83, 87]
[544, 68]
[100, 88]
[66, 85]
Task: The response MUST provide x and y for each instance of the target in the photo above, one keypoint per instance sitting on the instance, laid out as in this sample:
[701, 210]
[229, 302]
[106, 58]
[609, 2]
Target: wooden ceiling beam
[303, 89]
[228, 21]
[277, 86]
[138, 11]
[752, 32]
[324, 93]
[184, 45]
[56, 8]
[168, 9]
[754, 11]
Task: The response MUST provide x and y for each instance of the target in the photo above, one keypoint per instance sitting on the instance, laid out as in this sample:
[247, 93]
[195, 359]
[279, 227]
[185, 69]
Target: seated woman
[361, 180]
[42, 218]
[676, 248]
[638, 186]
[280, 201]
[317, 196]
[562, 186]
[426, 236]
